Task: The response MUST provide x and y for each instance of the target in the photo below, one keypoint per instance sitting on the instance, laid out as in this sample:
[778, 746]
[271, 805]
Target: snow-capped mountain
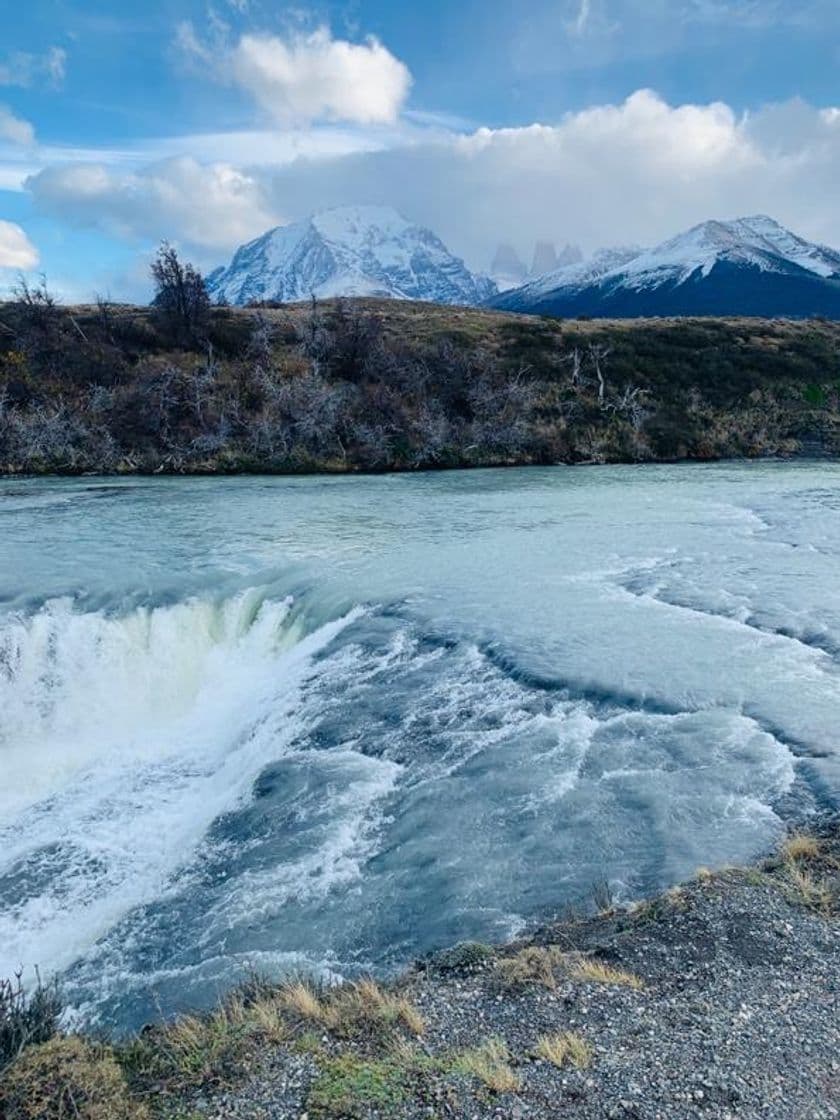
[750, 266]
[578, 274]
[349, 251]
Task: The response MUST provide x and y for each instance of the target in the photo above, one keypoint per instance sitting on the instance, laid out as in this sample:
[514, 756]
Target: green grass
[349, 1086]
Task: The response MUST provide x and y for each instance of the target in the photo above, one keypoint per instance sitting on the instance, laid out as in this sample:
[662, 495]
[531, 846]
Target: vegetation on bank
[374, 385]
[366, 1049]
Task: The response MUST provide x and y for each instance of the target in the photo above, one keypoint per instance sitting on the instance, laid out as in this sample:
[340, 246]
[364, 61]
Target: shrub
[26, 1019]
[67, 1079]
[533, 965]
[468, 956]
[181, 299]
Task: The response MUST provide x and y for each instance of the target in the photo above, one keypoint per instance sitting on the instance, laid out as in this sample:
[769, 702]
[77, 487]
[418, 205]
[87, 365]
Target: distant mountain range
[349, 251]
[751, 266]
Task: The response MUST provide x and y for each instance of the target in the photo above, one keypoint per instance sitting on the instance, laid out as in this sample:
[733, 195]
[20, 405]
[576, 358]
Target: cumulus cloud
[637, 172]
[215, 205]
[16, 250]
[15, 129]
[23, 69]
[634, 172]
[308, 76]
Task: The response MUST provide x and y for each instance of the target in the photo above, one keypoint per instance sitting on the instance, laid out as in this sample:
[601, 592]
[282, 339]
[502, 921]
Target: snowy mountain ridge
[749, 266]
[348, 251]
[758, 241]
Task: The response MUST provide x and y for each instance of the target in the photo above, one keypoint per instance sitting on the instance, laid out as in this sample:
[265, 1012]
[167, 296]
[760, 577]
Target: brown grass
[366, 1005]
[533, 965]
[67, 1078]
[300, 998]
[563, 1049]
[799, 847]
[806, 889]
[597, 972]
[489, 1063]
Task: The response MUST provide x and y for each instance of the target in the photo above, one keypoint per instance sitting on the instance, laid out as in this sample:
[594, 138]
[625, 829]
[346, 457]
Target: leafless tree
[180, 296]
[261, 341]
[314, 337]
[598, 354]
[37, 301]
[630, 403]
[574, 361]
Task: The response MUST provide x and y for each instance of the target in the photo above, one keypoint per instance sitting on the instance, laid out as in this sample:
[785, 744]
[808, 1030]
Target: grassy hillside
[373, 385]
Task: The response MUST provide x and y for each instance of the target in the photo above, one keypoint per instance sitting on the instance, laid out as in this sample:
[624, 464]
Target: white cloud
[634, 172]
[215, 206]
[582, 18]
[638, 171]
[16, 250]
[307, 76]
[15, 129]
[23, 69]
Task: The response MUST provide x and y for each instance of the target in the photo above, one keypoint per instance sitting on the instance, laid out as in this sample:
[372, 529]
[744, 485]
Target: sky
[595, 122]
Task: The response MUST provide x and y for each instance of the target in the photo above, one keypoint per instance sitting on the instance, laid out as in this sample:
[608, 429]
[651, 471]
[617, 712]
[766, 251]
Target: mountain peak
[746, 266]
[348, 251]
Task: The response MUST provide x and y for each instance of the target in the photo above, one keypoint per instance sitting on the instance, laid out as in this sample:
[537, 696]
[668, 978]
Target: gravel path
[738, 1016]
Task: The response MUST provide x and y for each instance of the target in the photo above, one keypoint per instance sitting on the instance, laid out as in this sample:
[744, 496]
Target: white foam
[130, 736]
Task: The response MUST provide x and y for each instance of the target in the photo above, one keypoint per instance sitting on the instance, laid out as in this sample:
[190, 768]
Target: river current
[330, 724]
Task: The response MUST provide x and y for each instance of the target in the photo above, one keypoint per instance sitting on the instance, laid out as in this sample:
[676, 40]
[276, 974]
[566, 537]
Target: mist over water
[334, 723]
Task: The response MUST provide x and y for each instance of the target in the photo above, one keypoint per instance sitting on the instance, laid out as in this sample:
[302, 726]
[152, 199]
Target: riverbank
[720, 998]
[367, 385]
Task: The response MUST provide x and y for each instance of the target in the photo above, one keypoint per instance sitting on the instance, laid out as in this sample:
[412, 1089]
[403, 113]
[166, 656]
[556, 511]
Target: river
[332, 723]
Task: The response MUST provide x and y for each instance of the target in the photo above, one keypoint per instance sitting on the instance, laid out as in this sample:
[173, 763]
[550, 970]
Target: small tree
[180, 296]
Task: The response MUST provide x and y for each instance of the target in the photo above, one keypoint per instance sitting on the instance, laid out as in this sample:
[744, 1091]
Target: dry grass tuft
[532, 965]
[597, 972]
[799, 847]
[299, 998]
[489, 1063]
[566, 1048]
[196, 1050]
[264, 1017]
[67, 1079]
[677, 898]
[365, 1004]
[802, 887]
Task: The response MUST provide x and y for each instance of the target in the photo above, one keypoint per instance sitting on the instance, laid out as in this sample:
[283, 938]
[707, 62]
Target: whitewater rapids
[335, 723]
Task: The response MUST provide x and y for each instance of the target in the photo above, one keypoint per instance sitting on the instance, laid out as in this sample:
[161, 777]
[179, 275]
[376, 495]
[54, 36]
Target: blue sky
[594, 121]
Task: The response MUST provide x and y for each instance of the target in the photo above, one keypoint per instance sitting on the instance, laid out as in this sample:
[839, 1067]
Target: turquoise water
[334, 723]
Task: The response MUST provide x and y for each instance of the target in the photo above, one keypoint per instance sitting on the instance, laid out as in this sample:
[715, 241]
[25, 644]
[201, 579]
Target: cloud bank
[211, 206]
[637, 171]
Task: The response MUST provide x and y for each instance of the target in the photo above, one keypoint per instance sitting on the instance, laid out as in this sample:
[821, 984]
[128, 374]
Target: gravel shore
[719, 999]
